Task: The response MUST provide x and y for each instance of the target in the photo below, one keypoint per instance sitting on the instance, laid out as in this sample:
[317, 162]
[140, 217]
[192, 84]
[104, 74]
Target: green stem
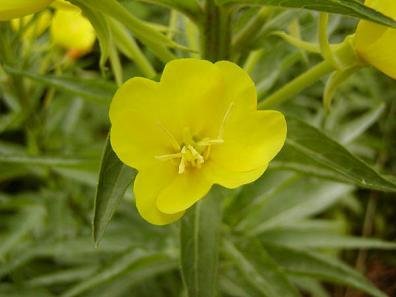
[252, 60]
[298, 84]
[254, 26]
[215, 32]
[200, 228]
[324, 44]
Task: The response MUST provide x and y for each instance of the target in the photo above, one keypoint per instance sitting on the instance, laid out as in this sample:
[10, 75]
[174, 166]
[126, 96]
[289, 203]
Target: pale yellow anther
[182, 164]
[195, 154]
[192, 154]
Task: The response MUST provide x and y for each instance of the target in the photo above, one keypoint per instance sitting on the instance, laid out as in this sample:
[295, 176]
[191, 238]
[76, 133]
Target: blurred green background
[53, 127]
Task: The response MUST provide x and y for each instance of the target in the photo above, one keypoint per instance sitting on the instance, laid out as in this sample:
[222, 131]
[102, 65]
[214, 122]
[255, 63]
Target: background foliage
[315, 224]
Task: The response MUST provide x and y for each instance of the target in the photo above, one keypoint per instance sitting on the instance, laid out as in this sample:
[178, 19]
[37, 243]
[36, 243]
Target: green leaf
[114, 179]
[309, 151]
[155, 40]
[63, 276]
[102, 31]
[144, 265]
[237, 287]
[240, 206]
[297, 199]
[188, 7]
[260, 271]
[128, 46]
[311, 286]
[44, 160]
[97, 90]
[199, 235]
[8, 290]
[318, 266]
[352, 8]
[356, 127]
[28, 219]
[318, 239]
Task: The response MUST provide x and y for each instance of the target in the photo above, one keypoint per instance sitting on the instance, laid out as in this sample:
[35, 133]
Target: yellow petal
[10, 9]
[387, 7]
[138, 133]
[376, 44]
[147, 186]
[201, 93]
[251, 140]
[239, 88]
[183, 192]
[231, 179]
[195, 92]
[72, 31]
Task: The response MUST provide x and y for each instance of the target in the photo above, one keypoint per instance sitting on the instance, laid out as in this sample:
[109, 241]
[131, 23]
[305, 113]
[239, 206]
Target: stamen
[172, 138]
[168, 157]
[182, 164]
[191, 153]
[226, 115]
[195, 154]
[208, 141]
[207, 152]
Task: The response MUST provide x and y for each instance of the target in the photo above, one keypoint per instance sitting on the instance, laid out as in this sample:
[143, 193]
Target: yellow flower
[36, 27]
[197, 127]
[72, 31]
[376, 44]
[10, 9]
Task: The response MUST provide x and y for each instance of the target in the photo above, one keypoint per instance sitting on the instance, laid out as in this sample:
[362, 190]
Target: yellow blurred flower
[36, 27]
[376, 44]
[10, 9]
[197, 127]
[72, 31]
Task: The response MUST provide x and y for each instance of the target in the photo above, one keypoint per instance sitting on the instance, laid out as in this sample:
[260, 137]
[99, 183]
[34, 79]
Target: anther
[195, 154]
[182, 164]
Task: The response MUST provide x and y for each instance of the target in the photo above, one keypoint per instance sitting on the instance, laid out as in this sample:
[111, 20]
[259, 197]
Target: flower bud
[376, 44]
[10, 9]
[72, 31]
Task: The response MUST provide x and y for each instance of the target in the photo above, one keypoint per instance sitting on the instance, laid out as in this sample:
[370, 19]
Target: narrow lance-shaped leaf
[144, 265]
[309, 150]
[128, 46]
[140, 29]
[28, 219]
[114, 179]
[200, 232]
[352, 8]
[188, 7]
[324, 268]
[102, 31]
[97, 90]
[310, 238]
[259, 270]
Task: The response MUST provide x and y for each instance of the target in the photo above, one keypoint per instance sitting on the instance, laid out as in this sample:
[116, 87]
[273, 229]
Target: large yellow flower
[10, 9]
[71, 30]
[376, 44]
[197, 127]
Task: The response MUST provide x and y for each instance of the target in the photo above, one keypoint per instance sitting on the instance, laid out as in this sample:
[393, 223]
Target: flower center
[193, 153]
